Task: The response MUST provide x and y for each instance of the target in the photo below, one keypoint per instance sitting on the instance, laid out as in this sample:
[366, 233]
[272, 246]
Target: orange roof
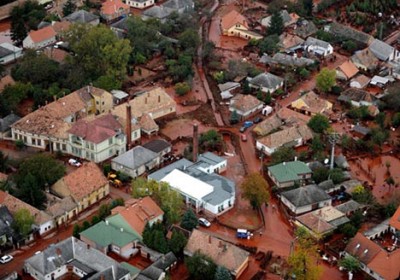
[395, 219]
[112, 6]
[386, 264]
[137, 212]
[56, 54]
[61, 26]
[232, 18]
[7, 80]
[349, 69]
[43, 34]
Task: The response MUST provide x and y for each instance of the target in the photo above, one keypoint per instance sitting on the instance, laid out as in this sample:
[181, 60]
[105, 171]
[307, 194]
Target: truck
[243, 233]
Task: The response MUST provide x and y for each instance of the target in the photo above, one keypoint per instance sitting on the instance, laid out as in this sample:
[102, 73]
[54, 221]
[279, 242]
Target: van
[243, 233]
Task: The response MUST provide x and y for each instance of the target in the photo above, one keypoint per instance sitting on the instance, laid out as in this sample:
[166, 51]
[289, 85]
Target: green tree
[95, 220]
[282, 154]
[336, 175]
[268, 98]
[319, 123]
[189, 220]
[160, 242]
[189, 39]
[76, 231]
[276, 25]
[269, 44]
[200, 267]
[211, 140]
[85, 225]
[68, 8]
[107, 83]
[182, 88]
[317, 145]
[308, 6]
[30, 192]
[177, 243]
[255, 189]
[348, 230]
[23, 221]
[180, 69]
[320, 174]
[379, 136]
[104, 211]
[13, 95]
[350, 263]
[3, 162]
[222, 274]
[234, 117]
[304, 73]
[325, 80]
[346, 142]
[396, 120]
[350, 46]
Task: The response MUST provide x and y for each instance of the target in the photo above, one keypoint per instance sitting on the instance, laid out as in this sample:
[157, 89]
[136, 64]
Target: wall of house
[267, 150]
[140, 5]
[57, 273]
[33, 272]
[93, 197]
[103, 103]
[131, 172]
[46, 227]
[241, 268]
[28, 43]
[221, 208]
[10, 58]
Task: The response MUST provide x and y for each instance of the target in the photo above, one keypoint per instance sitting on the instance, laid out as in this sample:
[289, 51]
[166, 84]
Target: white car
[74, 162]
[6, 259]
[204, 222]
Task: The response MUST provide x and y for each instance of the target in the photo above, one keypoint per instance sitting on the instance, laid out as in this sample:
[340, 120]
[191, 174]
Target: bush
[182, 88]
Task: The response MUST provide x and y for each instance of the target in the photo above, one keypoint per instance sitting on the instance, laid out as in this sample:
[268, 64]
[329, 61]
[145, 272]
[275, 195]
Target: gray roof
[267, 80]
[361, 129]
[136, 157]
[306, 195]
[73, 250]
[305, 28]
[340, 221]
[377, 229]
[165, 261]
[6, 221]
[348, 206]
[161, 173]
[347, 33]
[357, 95]
[311, 41]
[326, 185]
[81, 16]
[157, 145]
[4, 52]
[150, 273]
[341, 161]
[178, 4]
[381, 50]
[211, 158]
[7, 121]
[121, 24]
[285, 59]
[157, 12]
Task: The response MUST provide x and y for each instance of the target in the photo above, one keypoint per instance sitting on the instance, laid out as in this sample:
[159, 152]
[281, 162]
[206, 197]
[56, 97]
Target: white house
[211, 163]
[245, 105]
[140, 4]
[9, 53]
[266, 82]
[318, 47]
[41, 38]
[384, 51]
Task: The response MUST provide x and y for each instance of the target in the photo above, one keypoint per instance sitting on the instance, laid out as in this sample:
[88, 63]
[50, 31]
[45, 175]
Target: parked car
[258, 120]
[243, 233]
[248, 124]
[74, 162]
[243, 137]
[203, 222]
[242, 129]
[6, 259]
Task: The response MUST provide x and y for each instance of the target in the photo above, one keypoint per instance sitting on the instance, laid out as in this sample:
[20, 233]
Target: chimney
[87, 246]
[159, 99]
[102, 277]
[195, 141]
[145, 100]
[128, 126]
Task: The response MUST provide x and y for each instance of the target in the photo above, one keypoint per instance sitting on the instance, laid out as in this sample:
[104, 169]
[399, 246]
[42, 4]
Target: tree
[30, 192]
[269, 44]
[282, 154]
[396, 120]
[76, 230]
[3, 162]
[104, 211]
[154, 237]
[189, 40]
[379, 136]
[350, 263]
[13, 95]
[23, 221]
[182, 88]
[211, 140]
[177, 243]
[320, 174]
[95, 220]
[336, 175]
[319, 123]
[222, 274]
[68, 8]
[234, 117]
[107, 83]
[326, 79]
[348, 230]
[276, 25]
[304, 73]
[308, 7]
[160, 242]
[189, 220]
[317, 145]
[255, 189]
[349, 46]
[200, 267]
[44, 168]
[268, 98]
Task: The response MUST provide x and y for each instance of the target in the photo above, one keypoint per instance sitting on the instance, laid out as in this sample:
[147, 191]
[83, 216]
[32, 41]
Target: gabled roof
[138, 212]
[348, 206]
[5, 52]
[290, 116]
[81, 16]
[61, 26]
[244, 103]
[81, 182]
[348, 68]
[61, 206]
[366, 58]
[305, 28]
[135, 158]
[6, 222]
[315, 223]
[147, 123]
[381, 50]
[312, 103]
[58, 55]
[221, 252]
[286, 136]
[362, 248]
[287, 41]
[289, 171]
[266, 80]
[110, 7]
[210, 158]
[285, 59]
[233, 17]
[357, 95]
[43, 34]
[395, 220]
[157, 145]
[268, 125]
[362, 80]
[307, 195]
[316, 42]
[7, 121]
[348, 33]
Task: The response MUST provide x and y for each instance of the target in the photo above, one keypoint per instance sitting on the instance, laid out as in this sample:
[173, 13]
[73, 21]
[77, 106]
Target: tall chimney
[128, 126]
[195, 141]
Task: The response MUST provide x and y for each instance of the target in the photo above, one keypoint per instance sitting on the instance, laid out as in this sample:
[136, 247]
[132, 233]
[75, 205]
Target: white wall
[49, 225]
[140, 5]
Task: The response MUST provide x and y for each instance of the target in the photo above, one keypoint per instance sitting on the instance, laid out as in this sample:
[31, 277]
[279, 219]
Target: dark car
[258, 120]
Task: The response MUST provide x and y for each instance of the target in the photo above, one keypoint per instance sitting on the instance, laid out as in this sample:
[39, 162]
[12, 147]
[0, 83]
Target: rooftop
[266, 80]
[157, 145]
[110, 7]
[349, 69]
[245, 103]
[306, 195]
[7, 121]
[268, 125]
[286, 136]
[231, 18]
[381, 50]
[312, 103]
[347, 32]
[289, 171]
[81, 16]
[311, 41]
[43, 34]
[395, 219]
[135, 158]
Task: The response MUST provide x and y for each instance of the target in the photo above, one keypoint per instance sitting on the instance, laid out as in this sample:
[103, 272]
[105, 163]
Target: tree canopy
[23, 221]
[282, 154]
[319, 123]
[222, 274]
[178, 242]
[326, 79]
[350, 263]
[255, 189]
[189, 220]
[276, 26]
[200, 267]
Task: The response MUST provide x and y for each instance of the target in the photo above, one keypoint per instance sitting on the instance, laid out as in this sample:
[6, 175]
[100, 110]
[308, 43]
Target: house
[305, 199]
[349, 207]
[365, 60]
[106, 238]
[158, 269]
[245, 105]
[119, 96]
[97, 139]
[5, 125]
[62, 210]
[60, 27]
[322, 221]
[8, 237]
[137, 213]
[160, 147]
[82, 16]
[74, 257]
[360, 131]
[86, 185]
[345, 32]
[384, 51]
[147, 124]
[267, 126]
[287, 174]
[99, 100]
[360, 81]
[112, 10]
[136, 161]
[290, 42]
[211, 163]
[357, 97]
[346, 71]
[162, 11]
[380, 81]
[43, 222]
[311, 104]
[293, 136]
[7, 80]
[292, 118]
[286, 60]
[227, 88]
[201, 190]
[9, 53]
[221, 252]
[266, 82]
[374, 260]
[288, 19]
[41, 38]
[318, 47]
[235, 24]
[305, 28]
[140, 4]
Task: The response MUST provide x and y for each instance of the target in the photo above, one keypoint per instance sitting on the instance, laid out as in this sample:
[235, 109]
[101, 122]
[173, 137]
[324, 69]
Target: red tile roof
[137, 212]
[349, 69]
[110, 7]
[362, 248]
[43, 34]
[395, 220]
[232, 18]
[61, 26]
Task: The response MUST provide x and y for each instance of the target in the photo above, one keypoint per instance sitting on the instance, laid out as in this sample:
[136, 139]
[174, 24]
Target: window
[64, 147]
[110, 141]
[33, 141]
[91, 146]
[97, 102]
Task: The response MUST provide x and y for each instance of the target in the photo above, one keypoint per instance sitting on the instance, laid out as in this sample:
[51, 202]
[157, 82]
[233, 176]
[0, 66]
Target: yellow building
[311, 104]
[235, 24]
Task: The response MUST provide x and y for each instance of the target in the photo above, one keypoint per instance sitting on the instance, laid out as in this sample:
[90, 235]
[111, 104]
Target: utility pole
[332, 138]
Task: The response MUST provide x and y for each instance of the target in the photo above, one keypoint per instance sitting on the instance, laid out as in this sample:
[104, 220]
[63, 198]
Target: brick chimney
[128, 127]
[195, 141]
